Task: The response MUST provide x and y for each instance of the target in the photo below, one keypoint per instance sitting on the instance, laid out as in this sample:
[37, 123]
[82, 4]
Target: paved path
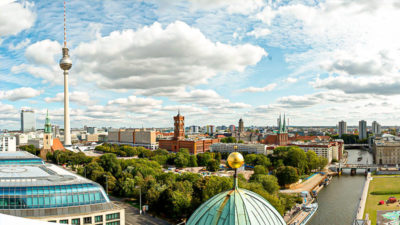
[363, 200]
[132, 215]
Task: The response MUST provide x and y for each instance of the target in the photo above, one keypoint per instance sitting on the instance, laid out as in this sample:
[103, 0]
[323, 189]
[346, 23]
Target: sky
[136, 63]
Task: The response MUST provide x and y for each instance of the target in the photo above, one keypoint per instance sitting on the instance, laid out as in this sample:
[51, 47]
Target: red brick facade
[179, 141]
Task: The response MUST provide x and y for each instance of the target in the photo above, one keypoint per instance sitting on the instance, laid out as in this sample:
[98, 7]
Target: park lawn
[381, 184]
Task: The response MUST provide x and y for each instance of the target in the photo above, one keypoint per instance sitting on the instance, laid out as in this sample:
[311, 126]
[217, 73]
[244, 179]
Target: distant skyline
[137, 62]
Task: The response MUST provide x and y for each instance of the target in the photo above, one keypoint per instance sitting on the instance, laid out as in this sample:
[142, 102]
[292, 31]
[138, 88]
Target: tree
[213, 165]
[287, 175]
[257, 159]
[312, 160]
[181, 160]
[228, 140]
[297, 158]
[240, 141]
[218, 156]
[203, 158]
[128, 186]
[110, 164]
[192, 161]
[269, 182]
[259, 169]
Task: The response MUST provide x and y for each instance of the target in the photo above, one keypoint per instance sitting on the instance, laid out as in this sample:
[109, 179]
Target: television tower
[65, 65]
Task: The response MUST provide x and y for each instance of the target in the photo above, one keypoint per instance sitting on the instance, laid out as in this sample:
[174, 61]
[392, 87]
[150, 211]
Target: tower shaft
[67, 130]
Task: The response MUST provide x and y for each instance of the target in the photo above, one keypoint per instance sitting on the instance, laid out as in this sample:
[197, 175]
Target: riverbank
[363, 199]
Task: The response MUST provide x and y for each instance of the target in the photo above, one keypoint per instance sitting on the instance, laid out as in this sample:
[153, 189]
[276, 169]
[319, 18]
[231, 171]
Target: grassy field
[381, 184]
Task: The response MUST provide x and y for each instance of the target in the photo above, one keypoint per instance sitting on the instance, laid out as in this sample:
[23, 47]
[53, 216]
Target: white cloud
[380, 85]
[269, 87]
[20, 45]
[136, 104]
[80, 97]
[291, 80]
[259, 32]
[15, 17]
[44, 52]
[19, 93]
[153, 57]
[232, 6]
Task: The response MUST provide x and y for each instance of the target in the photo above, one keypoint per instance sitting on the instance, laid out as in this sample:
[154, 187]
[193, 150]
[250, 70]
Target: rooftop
[17, 155]
[22, 172]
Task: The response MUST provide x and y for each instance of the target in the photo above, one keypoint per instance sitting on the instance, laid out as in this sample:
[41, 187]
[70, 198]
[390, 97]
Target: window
[98, 219]
[112, 216]
[63, 221]
[76, 221]
[87, 220]
[113, 223]
[52, 221]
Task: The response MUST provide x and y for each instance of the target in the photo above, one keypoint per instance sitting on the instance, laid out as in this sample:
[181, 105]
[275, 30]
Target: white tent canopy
[7, 220]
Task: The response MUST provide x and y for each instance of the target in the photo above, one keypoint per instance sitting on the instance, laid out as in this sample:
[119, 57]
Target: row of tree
[170, 195]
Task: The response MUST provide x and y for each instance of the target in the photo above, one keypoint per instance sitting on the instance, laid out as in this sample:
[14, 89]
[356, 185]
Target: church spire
[47, 124]
[284, 129]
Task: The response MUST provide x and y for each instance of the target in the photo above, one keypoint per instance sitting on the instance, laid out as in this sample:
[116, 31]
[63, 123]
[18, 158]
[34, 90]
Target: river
[337, 203]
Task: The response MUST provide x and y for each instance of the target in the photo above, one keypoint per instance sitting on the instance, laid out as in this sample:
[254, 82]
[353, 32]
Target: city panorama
[199, 112]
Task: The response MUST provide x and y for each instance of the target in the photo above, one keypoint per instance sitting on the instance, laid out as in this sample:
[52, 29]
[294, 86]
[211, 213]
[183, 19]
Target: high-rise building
[194, 129]
[362, 129]
[241, 126]
[91, 130]
[210, 129]
[342, 128]
[28, 120]
[376, 128]
[65, 65]
[232, 128]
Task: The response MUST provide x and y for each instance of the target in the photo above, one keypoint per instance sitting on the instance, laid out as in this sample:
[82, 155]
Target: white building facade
[230, 147]
[8, 143]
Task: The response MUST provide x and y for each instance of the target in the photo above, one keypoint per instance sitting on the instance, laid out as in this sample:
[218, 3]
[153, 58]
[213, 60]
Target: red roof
[57, 145]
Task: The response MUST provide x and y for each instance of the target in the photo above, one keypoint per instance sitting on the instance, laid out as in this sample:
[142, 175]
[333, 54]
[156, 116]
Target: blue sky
[137, 62]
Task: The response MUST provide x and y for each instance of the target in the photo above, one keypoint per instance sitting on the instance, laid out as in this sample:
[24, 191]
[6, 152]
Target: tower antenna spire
[65, 26]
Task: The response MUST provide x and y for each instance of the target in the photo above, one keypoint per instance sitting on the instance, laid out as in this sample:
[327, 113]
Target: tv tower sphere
[65, 62]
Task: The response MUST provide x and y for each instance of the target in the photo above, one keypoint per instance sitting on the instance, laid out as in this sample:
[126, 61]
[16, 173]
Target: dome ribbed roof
[236, 206]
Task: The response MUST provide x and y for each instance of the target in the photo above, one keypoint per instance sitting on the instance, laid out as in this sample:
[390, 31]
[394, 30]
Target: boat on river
[312, 208]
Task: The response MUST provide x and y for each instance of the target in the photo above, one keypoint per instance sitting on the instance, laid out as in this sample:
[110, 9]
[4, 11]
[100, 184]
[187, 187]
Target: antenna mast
[65, 26]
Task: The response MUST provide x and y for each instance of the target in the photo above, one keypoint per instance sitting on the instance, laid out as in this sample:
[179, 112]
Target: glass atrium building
[30, 188]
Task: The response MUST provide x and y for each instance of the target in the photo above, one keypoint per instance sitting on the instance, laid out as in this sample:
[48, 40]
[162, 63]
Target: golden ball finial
[235, 160]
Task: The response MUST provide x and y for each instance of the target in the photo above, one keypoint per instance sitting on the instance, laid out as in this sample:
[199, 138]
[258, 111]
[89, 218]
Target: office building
[8, 143]
[241, 126]
[376, 128]
[210, 129]
[248, 148]
[134, 137]
[49, 193]
[28, 120]
[232, 128]
[362, 129]
[91, 130]
[342, 128]
[386, 150]
[324, 149]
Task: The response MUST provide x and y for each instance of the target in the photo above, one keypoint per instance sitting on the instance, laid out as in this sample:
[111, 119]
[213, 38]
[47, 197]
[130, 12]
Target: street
[132, 215]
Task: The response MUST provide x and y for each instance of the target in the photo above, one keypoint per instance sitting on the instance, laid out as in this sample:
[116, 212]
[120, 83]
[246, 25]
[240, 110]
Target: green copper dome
[236, 207]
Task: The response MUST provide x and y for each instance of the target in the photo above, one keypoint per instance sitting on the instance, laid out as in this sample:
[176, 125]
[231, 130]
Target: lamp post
[140, 199]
